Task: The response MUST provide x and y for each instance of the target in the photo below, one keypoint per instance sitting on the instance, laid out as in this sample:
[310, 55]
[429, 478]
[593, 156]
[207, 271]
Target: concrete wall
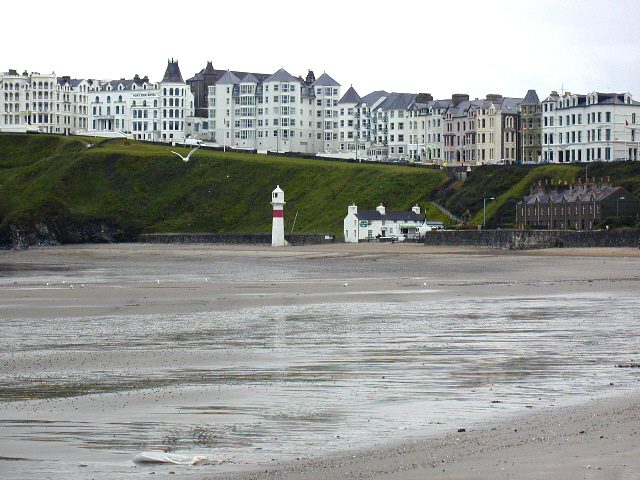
[525, 239]
[236, 238]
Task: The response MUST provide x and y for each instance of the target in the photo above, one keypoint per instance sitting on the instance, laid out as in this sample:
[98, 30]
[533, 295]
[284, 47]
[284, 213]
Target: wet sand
[599, 439]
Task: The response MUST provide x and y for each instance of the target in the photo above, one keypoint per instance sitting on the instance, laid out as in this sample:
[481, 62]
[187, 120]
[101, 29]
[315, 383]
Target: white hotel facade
[592, 127]
[280, 113]
[285, 113]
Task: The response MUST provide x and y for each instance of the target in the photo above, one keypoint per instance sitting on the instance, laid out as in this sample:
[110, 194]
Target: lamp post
[618, 206]
[484, 221]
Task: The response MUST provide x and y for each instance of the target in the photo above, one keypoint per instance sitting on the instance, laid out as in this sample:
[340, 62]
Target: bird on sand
[185, 159]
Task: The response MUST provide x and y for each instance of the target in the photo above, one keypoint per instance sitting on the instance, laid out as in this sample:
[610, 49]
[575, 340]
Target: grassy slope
[147, 188]
[509, 184]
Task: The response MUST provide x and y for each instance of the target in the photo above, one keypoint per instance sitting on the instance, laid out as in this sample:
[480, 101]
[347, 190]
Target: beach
[526, 407]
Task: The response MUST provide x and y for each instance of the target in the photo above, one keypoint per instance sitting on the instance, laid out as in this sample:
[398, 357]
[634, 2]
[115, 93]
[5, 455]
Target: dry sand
[597, 440]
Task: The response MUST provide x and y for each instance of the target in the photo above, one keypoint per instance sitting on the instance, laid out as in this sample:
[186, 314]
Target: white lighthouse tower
[277, 229]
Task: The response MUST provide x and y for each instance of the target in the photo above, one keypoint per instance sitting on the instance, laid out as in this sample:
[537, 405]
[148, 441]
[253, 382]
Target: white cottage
[370, 224]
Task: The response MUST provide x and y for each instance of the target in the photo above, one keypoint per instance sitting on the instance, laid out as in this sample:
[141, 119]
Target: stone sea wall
[236, 238]
[528, 239]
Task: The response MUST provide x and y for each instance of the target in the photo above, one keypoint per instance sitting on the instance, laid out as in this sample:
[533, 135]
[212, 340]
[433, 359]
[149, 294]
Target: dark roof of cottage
[172, 73]
[390, 215]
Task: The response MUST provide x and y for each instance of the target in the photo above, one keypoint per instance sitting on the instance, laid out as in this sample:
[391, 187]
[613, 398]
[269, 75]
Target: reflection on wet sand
[345, 369]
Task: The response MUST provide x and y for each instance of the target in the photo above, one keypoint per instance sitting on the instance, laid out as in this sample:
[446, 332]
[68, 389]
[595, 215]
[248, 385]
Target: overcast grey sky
[444, 47]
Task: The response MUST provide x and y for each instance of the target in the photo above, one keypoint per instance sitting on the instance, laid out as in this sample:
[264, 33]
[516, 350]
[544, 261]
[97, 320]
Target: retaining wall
[236, 238]
[525, 239]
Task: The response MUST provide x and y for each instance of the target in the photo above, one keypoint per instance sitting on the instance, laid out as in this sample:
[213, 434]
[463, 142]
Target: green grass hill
[140, 187]
[53, 184]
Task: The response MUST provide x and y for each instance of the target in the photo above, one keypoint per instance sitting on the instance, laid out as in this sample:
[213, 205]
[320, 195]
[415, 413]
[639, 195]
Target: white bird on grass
[185, 159]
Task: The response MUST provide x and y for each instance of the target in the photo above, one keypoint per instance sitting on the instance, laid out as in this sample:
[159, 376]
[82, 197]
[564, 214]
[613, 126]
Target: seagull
[345, 284]
[185, 159]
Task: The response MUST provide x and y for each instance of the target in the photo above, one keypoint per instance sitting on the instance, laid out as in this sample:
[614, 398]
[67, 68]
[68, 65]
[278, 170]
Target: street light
[618, 206]
[484, 221]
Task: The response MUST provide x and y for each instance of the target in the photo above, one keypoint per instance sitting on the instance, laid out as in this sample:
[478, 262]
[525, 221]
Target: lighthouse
[277, 229]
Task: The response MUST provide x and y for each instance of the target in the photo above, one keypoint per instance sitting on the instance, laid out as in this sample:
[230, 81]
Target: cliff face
[57, 232]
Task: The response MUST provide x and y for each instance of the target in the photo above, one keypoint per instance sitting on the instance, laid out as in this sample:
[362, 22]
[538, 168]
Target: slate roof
[397, 101]
[583, 194]
[127, 84]
[172, 73]
[613, 98]
[531, 98]
[228, 78]
[374, 97]
[442, 103]
[249, 78]
[326, 81]
[209, 70]
[390, 215]
[282, 76]
[351, 96]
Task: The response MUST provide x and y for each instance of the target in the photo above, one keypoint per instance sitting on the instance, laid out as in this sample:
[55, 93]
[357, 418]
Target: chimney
[456, 98]
[380, 208]
[353, 208]
[416, 209]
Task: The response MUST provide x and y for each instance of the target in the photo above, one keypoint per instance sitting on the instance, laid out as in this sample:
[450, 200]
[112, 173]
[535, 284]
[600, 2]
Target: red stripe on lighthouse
[278, 213]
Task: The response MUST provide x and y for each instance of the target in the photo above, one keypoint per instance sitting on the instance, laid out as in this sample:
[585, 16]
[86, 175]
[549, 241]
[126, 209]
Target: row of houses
[134, 108]
[561, 206]
[575, 205]
[286, 113]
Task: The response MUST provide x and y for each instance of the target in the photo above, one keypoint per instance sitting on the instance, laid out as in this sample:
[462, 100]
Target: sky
[445, 47]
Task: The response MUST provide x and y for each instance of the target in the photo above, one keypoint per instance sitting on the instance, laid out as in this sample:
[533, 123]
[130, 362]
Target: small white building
[370, 224]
